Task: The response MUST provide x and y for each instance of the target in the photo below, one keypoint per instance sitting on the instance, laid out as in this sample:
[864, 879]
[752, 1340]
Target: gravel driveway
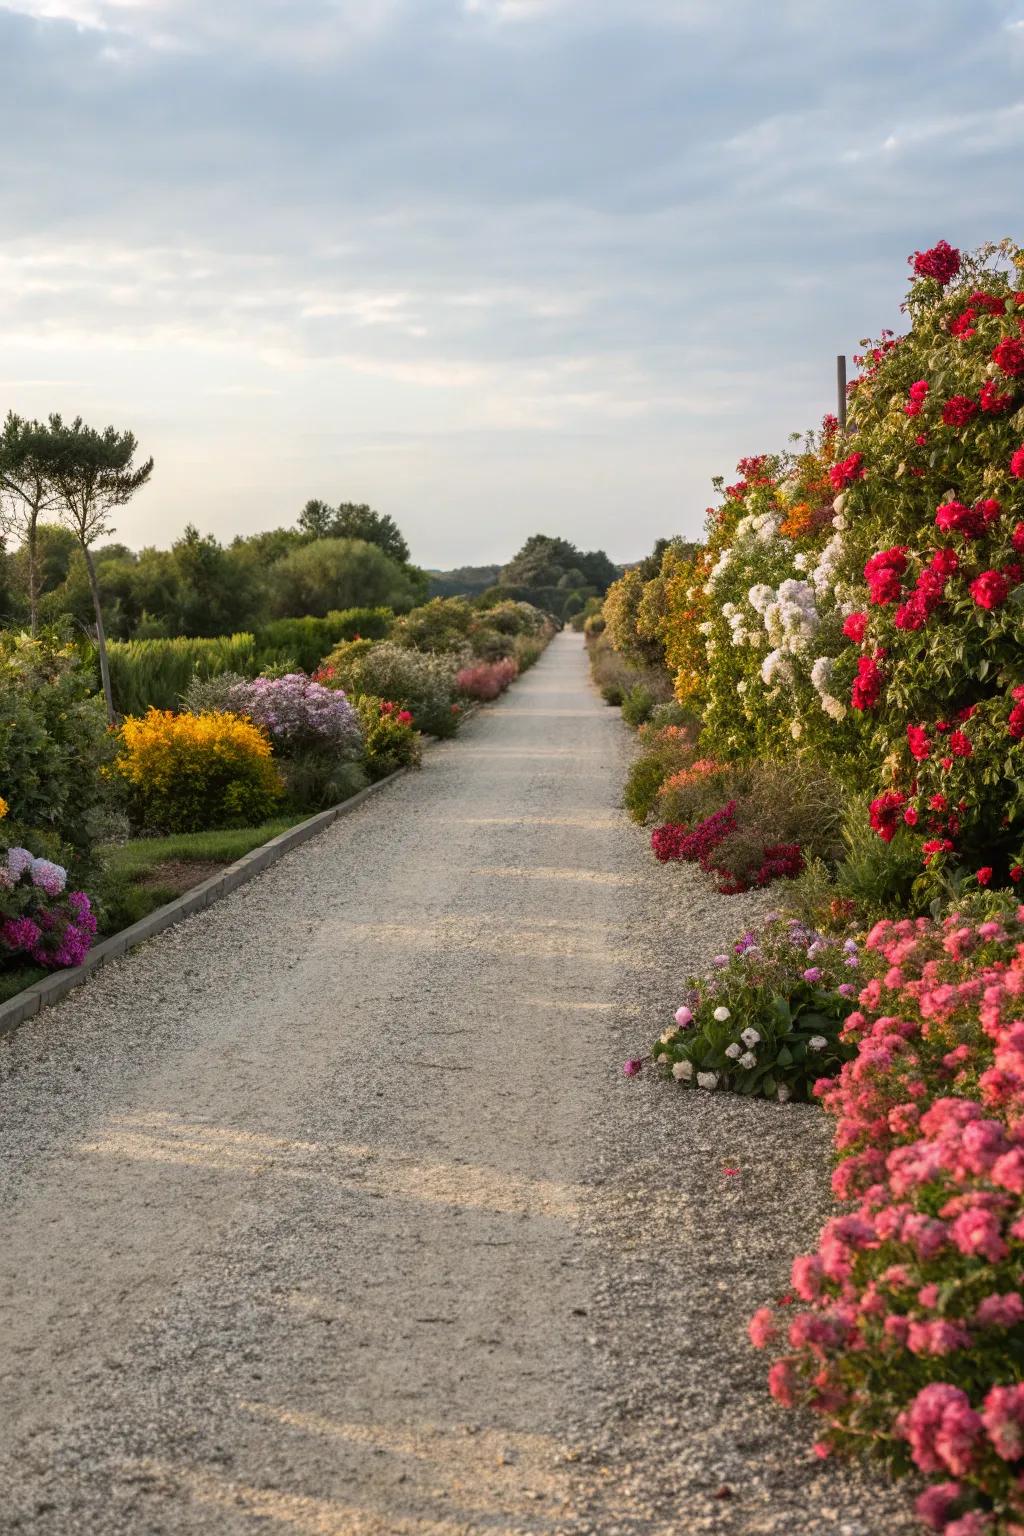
[329, 1212]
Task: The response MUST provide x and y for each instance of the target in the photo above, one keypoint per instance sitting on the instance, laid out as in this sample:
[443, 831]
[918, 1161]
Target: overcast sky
[494, 266]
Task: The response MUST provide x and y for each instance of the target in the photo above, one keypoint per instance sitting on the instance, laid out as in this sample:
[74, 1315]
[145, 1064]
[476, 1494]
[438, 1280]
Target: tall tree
[353, 521]
[27, 494]
[316, 519]
[93, 473]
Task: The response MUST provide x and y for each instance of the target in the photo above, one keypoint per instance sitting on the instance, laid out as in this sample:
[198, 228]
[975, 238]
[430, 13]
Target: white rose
[708, 1080]
[721, 1014]
[748, 1059]
[733, 1051]
[840, 502]
[663, 1058]
[785, 1094]
[750, 1037]
[817, 1042]
[682, 1071]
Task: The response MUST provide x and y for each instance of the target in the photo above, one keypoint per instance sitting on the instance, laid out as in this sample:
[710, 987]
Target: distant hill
[465, 581]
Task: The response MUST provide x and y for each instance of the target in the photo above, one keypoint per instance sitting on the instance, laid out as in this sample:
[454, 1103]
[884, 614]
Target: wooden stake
[841, 389]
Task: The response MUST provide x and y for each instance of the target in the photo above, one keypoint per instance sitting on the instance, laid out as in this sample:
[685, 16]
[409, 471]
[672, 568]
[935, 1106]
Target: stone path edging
[42, 994]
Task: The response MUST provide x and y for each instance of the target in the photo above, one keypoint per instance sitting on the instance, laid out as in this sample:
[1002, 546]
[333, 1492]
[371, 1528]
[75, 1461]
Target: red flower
[867, 685]
[942, 262]
[404, 717]
[855, 625]
[917, 741]
[991, 400]
[882, 574]
[918, 391]
[1018, 538]
[1015, 725]
[910, 816]
[1009, 356]
[958, 411]
[954, 517]
[963, 325]
[960, 745]
[1017, 464]
[990, 589]
[945, 561]
[984, 874]
[846, 471]
[1015, 873]
[885, 814]
[991, 303]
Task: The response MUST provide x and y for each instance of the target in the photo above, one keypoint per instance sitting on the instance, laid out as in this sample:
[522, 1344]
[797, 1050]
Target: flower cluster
[767, 1020]
[298, 713]
[912, 1330]
[187, 773]
[486, 680]
[39, 919]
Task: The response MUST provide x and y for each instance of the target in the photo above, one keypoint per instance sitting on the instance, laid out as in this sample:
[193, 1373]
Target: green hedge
[156, 673]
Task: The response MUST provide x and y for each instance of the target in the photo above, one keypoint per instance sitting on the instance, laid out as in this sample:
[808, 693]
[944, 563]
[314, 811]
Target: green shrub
[156, 674]
[54, 746]
[418, 681]
[390, 741]
[316, 778]
[665, 752]
[443, 624]
[301, 644]
[612, 693]
[637, 706]
[527, 650]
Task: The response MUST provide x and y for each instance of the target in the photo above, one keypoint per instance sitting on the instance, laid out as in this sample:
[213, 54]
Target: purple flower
[632, 1067]
[812, 973]
[49, 877]
[847, 990]
[18, 860]
[20, 933]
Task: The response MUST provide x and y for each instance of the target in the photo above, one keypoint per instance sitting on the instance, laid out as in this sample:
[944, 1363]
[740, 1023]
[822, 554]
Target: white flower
[785, 1094]
[796, 730]
[733, 1051]
[817, 1042]
[750, 1037]
[748, 1059]
[840, 502]
[834, 708]
[708, 1080]
[721, 1014]
[682, 1071]
[663, 1058]
[741, 686]
[668, 1036]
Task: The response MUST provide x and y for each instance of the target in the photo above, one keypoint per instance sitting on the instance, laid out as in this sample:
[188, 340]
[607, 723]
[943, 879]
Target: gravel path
[329, 1212]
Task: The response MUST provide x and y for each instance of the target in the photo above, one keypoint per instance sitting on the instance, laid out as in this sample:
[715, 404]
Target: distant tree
[93, 472]
[361, 522]
[546, 563]
[316, 520]
[340, 573]
[214, 588]
[27, 494]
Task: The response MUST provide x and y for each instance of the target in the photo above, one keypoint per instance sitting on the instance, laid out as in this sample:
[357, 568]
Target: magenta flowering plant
[910, 1339]
[767, 1020]
[40, 920]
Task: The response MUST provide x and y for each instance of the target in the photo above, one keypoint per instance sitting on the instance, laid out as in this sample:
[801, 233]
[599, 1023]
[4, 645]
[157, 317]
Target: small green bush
[664, 753]
[613, 694]
[637, 706]
[390, 742]
[418, 681]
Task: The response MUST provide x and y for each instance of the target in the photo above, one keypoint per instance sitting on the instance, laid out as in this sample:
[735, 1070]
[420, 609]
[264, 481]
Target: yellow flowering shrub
[4, 808]
[192, 773]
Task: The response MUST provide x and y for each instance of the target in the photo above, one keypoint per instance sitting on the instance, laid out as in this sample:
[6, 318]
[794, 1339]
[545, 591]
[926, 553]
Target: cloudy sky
[494, 266]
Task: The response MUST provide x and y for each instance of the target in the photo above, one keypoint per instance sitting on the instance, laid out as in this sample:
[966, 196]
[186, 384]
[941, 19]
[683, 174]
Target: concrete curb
[43, 994]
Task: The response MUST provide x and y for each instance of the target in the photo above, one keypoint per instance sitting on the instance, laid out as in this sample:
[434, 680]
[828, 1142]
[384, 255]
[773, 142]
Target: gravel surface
[330, 1212]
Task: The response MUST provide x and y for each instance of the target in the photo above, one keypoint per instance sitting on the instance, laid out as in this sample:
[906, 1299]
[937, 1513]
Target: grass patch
[142, 855]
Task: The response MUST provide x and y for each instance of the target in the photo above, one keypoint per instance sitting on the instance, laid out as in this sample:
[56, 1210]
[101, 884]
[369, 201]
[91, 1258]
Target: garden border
[43, 994]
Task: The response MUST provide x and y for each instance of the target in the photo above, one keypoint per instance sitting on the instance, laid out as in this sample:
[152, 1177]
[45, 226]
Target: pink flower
[1000, 1311]
[1003, 1416]
[762, 1328]
[936, 1504]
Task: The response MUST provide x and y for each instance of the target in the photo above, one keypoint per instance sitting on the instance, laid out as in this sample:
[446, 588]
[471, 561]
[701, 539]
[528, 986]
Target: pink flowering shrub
[39, 920]
[910, 1338]
[486, 680]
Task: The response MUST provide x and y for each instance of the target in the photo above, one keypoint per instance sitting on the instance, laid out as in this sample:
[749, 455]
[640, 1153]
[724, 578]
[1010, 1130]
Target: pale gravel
[330, 1211]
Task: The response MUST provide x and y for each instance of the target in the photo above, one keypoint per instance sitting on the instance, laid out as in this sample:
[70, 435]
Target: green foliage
[637, 706]
[663, 753]
[418, 681]
[54, 747]
[157, 673]
[443, 624]
[334, 573]
[354, 521]
[766, 1023]
[316, 778]
[305, 642]
[389, 743]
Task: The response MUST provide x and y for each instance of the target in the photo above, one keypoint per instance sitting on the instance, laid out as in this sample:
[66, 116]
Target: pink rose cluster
[910, 1335]
[38, 918]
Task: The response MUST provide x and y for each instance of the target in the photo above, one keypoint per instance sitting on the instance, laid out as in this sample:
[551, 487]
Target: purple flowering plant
[40, 920]
[300, 714]
[766, 1020]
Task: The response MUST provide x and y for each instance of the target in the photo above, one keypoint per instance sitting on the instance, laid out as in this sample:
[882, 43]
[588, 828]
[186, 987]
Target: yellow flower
[4, 808]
